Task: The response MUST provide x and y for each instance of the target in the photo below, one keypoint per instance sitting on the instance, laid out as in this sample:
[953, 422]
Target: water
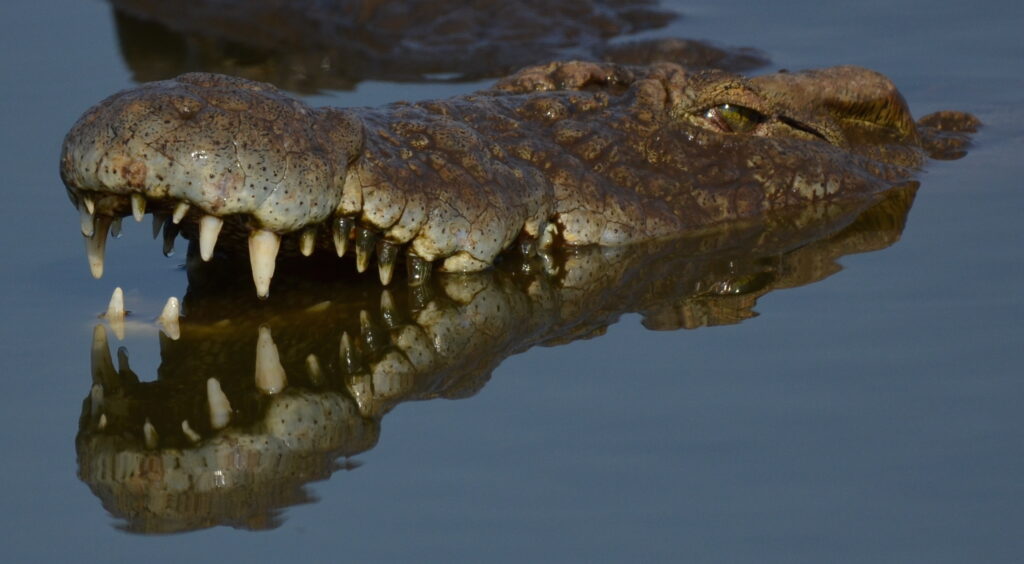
[871, 417]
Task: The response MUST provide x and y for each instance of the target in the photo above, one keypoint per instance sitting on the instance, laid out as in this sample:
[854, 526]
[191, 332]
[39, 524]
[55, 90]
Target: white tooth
[263, 246]
[86, 218]
[138, 207]
[209, 228]
[179, 212]
[220, 407]
[115, 310]
[270, 376]
[102, 422]
[187, 429]
[316, 375]
[306, 241]
[169, 318]
[89, 204]
[149, 432]
[95, 245]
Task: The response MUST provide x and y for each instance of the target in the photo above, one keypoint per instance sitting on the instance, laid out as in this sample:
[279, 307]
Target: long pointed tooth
[158, 223]
[307, 241]
[419, 270]
[270, 376]
[387, 254]
[366, 240]
[179, 212]
[85, 216]
[220, 407]
[95, 245]
[115, 228]
[348, 354]
[138, 206]
[341, 231]
[89, 204]
[115, 309]
[169, 318]
[187, 430]
[263, 247]
[209, 228]
[170, 233]
[150, 435]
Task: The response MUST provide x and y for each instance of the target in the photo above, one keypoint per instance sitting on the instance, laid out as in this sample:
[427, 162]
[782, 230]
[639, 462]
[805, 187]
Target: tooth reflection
[169, 318]
[270, 376]
[149, 434]
[217, 401]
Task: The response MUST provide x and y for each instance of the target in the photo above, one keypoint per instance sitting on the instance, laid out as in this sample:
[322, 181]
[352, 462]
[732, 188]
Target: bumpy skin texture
[580, 153]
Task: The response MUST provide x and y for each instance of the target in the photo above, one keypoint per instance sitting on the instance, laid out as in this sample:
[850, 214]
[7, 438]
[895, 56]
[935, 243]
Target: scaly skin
[574, 153]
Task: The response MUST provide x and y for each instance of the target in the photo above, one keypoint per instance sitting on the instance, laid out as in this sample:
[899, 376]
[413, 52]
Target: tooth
[220, 407]
[372, 336]
[115, 228]
[158, 223]
[179, 212]
[387, 253]
[95, 245]
[419, 270]
[313, 371]
[547, 235]
[388, 310]
[86, 219]
[138, 206]
[89, 204]
[149, 432]
[102, 424]
[169, 318]
[187, 429]
[349, 355]
[102, 365]
[307, 241]
[270, 376]
[341, 231]
[209, 228]
[263, 246]
[170, 233]
[365, 242]
[115, 309]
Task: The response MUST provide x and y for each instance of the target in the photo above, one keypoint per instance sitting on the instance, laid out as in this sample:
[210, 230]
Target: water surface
[870, 417]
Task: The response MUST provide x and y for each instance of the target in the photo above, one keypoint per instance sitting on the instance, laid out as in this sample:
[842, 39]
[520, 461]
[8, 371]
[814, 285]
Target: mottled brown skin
[577, 153]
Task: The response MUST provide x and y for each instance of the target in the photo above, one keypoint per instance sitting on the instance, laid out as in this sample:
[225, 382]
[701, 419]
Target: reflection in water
[308, 46]
[256, 399]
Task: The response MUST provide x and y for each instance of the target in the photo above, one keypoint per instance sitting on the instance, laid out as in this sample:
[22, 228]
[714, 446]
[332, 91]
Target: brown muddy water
[866, 414]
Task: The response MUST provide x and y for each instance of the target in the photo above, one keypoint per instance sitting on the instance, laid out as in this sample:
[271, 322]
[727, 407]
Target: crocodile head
[569, 153]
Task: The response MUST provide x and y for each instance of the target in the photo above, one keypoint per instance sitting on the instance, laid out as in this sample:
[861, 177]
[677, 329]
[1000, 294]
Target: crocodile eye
[731, 118]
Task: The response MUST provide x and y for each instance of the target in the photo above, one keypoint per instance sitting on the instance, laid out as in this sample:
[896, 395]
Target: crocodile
[311, 45]
[572, 153]
[253, 400]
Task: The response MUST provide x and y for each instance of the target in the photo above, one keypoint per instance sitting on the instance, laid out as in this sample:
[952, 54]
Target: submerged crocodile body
[306, 45]
[573, 153]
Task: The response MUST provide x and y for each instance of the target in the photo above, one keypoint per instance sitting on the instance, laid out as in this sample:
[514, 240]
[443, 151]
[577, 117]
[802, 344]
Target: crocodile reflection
[308, 45]
[256, 399]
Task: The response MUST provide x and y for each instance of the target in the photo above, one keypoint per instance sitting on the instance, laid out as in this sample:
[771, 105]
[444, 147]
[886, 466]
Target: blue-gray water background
[872, 417]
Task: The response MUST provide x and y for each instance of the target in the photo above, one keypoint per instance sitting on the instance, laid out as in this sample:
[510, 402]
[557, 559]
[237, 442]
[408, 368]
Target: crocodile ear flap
[864, 104]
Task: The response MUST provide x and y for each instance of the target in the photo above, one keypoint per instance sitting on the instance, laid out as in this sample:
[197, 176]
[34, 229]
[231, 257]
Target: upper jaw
[220, 145]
